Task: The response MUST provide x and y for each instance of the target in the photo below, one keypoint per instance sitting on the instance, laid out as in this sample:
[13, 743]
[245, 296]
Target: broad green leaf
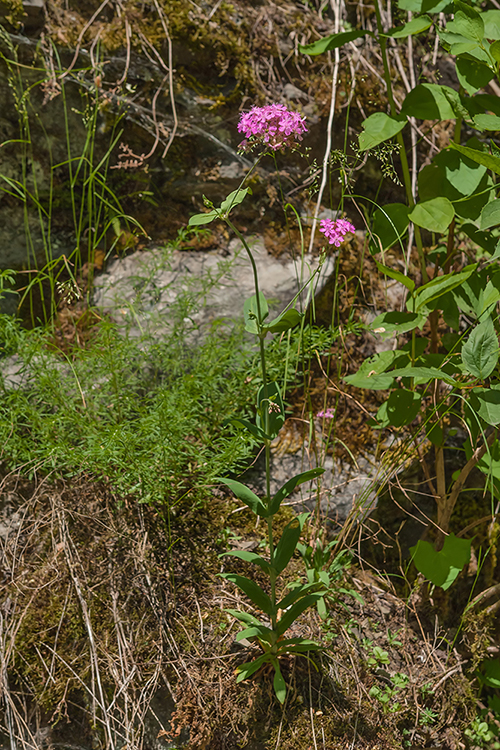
[252, 590]
[491, 20]
[199, 219]
[415, 26]
[483, 239]
[470, 208]
[467, 22]
[372, 373]
[481, 103]
[450, 175]
[442, 568]
[290, 485]
[486, 403]
[490, 215]
[270, 409]
[233, 199]
[472, 74]
[246, 495]
[428, 101]
[331, 42]
[289, 617]
[279, 683]
[389, 226]
[251, 312]
[491, 294]
[490, 673]
[400, 409]
[487, 122]
[439, 286]
[435, 215]
[426, 6]
[286, 545]
[379, 128]
[487, 160]
[252, 557]
[397, 276]
[285, 321]
[397, 322]
[495, 51]
[250, 667]
[480, 351]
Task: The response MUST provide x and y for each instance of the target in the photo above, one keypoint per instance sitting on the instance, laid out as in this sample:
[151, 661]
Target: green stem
[399, 137]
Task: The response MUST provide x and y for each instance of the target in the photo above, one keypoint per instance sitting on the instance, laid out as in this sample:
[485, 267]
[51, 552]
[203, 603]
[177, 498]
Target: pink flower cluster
[328, 414]
[273, 125]
[335, 231]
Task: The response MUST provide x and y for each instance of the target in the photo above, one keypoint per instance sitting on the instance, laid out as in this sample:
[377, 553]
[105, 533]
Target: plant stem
[399, 137]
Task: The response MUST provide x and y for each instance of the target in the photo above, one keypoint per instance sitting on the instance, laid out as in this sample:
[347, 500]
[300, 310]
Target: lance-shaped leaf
[198, 219]
[480, 351]
[415, 26]
[397, 276]
[295, 610]
[439, 286]
[379, 128]
[288, 487]
[257, 631]
[279, 683]
[233, 199]
[252, 428]
[250, 667]
[332, 42]
[253, 557]
[397, 322]
[253, 591]
[246, 495]
[298, 592]
[287, 544]
[481, 157]
[424, 374]
[244, 617]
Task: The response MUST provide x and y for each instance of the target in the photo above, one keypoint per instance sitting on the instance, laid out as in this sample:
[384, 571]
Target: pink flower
[328, 414]
[273, 125]
[335, 231]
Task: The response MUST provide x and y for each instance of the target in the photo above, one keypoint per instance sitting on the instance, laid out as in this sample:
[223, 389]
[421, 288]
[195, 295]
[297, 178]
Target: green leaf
[490, 215]
[490, 669]
[439, 286]
[486, 403]
[332, 42]
[286, 545]
[435, 215]
[491, 20]
[258, 631]
[397, 322]
[246, 495]
[378, 128]
[252, 590]
[285, 321]
[269, 400]
[244, 617]
[467, 22]
[199, 219]
[251, 312]
[289, 617]
[480, 351]
[425, 6]
[423, 374]
[252, 557]
[450, 175]
[370, 374]
[472, 74]
[487, 160]
[252, 429]
[415, 26]
[250, 667]
[279, 683]
[298, 592]
[389, 226]
[428, 101]
[400, 409]
[233, 199]
[495, 51]
[487, 122]
[397, 275]
[442, 568]
[289, 486]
